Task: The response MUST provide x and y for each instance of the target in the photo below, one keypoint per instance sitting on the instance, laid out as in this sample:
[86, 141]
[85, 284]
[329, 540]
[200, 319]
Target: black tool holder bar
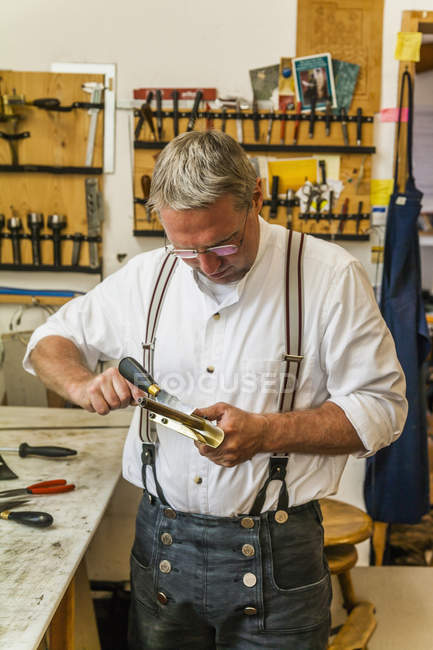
[152, 144]
[51, 169]
[14, 136]
[335, 216]
[248, 115]
[67, 109]
[45, 237]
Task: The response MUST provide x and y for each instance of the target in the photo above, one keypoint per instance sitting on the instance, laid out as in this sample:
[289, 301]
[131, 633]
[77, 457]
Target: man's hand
[243, 431]
[104, 392]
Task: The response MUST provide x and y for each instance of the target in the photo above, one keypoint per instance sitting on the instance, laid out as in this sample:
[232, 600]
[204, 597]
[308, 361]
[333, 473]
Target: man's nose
[209, 262]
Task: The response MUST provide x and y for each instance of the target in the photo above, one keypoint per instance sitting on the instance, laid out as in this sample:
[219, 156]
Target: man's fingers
[212, 412]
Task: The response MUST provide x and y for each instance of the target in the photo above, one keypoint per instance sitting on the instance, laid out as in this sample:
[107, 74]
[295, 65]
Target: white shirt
[349, 359]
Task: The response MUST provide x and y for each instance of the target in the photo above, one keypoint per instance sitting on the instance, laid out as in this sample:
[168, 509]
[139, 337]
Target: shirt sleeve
[365, 378]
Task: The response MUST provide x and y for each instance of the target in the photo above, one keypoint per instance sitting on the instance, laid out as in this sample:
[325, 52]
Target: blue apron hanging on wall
[396, 486]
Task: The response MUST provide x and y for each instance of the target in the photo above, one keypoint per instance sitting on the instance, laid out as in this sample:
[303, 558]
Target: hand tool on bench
[95, 217]
[5, 471]
[167, 409]
[343, 115]
[50, 451]
[256, 120]
[95, 89]
[194, 111]
[175, 97]
[359, 126]
[35, 222]
[274, 198]
[56, 223]
[27, 517]
[15, 226]
[297, 123]
[158, 96]
[145, 181]
[55, 486]
[328, 118]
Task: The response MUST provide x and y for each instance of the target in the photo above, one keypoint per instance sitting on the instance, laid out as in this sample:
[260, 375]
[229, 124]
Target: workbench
[43, 578]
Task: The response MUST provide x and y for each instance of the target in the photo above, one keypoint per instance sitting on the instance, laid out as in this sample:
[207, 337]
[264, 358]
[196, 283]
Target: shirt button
[165, 567]
[169, 513]
[247, 522]
[164, 600]
[210, 369]
[281, 516]
[198, 480]
[250, 611]
[248, 550]
[216, 316]
[166, 539]
[249, 580]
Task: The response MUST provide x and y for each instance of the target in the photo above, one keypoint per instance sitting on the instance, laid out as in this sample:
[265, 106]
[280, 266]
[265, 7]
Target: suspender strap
[294, 325]
[148, 458]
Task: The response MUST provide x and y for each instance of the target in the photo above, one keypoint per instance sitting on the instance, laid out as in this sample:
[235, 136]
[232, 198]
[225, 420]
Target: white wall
[173, 43]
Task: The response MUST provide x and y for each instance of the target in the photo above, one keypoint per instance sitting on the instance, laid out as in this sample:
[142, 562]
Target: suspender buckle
[293, 357]
[149, 345]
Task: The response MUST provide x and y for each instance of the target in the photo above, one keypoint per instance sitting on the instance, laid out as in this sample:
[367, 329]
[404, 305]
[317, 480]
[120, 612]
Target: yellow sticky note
[292, 173]
[332, 164]
[408, 46]
[380, 191]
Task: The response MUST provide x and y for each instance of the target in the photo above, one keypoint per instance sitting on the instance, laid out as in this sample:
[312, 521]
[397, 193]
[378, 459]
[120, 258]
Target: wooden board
[351, 30]
[350, 166]
[56, 139]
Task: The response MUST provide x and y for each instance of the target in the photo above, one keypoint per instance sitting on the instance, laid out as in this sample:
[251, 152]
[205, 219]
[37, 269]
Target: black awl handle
[134, 372]
[52, 452]
[31, 518]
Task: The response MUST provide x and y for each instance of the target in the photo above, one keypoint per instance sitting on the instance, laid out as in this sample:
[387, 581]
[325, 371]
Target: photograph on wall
[314, 79]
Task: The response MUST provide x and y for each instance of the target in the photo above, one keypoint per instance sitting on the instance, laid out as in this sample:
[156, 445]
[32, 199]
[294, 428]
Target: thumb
[214, 412]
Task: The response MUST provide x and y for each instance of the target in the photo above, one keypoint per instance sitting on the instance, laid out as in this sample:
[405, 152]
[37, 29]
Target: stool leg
[346, 585]
[380, 529]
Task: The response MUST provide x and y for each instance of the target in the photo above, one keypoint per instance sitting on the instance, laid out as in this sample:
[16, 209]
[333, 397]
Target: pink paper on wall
[391, 114]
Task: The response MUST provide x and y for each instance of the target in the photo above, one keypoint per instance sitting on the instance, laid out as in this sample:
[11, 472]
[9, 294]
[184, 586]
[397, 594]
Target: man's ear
[258, 196]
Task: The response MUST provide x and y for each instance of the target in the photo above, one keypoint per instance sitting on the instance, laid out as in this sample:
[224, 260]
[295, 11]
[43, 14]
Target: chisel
[15, 226]
[194, 111]
[56, 223]
[223, 119]
[256, 120]
[283, 124]
[26, 517]
[289, 208]
[312, 116]
[145, 186]
[52, 452]
[77, 238]
[270, 124]
[328, 118]
[359, 126]
[274, 198]
[175, 97]
[239, 126]
[359, 216]
[159, 114]
[343, 115]
[35, 222]
[343, 215]
[297, 123]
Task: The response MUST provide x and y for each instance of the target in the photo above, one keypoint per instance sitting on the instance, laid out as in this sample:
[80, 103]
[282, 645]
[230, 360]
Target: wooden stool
[345, 526]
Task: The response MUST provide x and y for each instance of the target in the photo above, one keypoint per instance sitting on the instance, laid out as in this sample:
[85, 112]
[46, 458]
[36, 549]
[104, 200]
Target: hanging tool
[343, 216]
[239, 124]
[175, 97]
[35, 222]
[331, 206]
[161, 409]
[322, 167]
[223, 119]
[274, 198]
[95, 89]
[297, 123]
[145, 186]
[56, 223]
[27, 517]
[328, 118]
[343, 115]
[15, 226]
[77, 239]
[360, 175]
[283, 123]
[209, 119]
[359, 216]
[43, 487]
[312, 115]
[256, 120]
[145, 113]
[25, 450]
[5, 471]
[95, 217]
[2, 223]
[289, 207]
[194, 111]
[359, 126]
[270, 124]
[159, 114]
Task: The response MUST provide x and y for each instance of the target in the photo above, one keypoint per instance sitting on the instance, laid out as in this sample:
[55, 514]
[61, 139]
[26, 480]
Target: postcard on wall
[313, 77]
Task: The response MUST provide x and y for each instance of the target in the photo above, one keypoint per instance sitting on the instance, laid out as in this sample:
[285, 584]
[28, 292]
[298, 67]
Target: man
[230, 552]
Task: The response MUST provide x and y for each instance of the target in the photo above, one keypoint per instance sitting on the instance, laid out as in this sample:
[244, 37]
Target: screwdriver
[52, 452]
[26, 517]
[145, 186]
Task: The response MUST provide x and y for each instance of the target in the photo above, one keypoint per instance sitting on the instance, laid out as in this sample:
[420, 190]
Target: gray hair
[197, 168]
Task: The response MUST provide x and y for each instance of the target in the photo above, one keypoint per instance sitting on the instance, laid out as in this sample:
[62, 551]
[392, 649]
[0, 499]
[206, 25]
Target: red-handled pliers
[44, 487]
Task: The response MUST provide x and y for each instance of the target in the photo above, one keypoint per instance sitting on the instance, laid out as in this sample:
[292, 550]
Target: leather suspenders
[293, 298]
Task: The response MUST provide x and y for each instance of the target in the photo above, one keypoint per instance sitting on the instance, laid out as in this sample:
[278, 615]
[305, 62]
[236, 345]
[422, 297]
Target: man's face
[219, 224]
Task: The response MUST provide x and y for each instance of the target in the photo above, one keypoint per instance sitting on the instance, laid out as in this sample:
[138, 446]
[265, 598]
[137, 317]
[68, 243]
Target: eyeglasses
[221, 250]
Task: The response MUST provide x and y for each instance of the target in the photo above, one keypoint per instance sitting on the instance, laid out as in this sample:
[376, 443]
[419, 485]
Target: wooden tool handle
[52, 452]
[137, 375]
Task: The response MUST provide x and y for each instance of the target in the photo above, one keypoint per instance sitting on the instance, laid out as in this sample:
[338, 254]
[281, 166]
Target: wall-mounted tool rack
[46, 174]
[355, 163]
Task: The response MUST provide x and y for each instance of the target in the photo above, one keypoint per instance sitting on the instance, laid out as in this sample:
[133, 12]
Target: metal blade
[5, 471]
[12, 503]
[13, 493]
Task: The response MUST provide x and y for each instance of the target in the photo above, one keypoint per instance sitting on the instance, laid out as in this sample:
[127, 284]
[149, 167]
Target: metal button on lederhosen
[166, 539]
[248, 550]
